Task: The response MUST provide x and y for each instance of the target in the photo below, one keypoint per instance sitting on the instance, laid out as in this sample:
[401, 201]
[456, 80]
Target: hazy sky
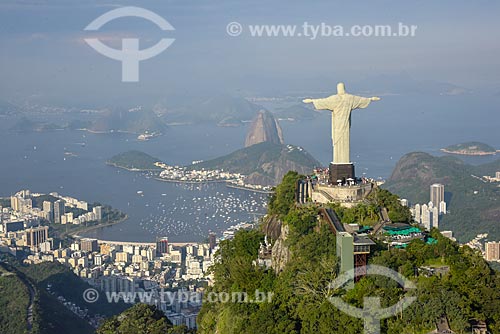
[42, 50]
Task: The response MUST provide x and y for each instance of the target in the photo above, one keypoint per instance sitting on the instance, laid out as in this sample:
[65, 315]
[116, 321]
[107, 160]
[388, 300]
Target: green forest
[135, 160]
[467, 292]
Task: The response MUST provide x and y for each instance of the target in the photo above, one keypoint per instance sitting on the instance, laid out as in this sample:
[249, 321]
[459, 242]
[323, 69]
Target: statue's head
[340, 88]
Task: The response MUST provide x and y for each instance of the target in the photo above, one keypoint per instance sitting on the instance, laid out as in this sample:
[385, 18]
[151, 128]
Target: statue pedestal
[341, 172]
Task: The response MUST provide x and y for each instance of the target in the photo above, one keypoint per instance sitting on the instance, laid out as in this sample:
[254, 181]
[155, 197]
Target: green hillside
[49, 315]
[299, 301]
[14, 301]
[141, 319]
[134, 160]
[473, 203]
[264, 163]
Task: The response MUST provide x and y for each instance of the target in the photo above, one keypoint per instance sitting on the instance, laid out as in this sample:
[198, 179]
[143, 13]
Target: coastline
[113, 131]
[131, 169]
[469, 153]
[145, 243]
[188, 182]
[74, 234]
[230, 185]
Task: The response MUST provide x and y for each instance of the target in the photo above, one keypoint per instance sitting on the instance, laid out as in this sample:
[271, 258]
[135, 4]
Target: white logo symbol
[90, 295]
[129, 55]
[234, 29]
[372, 312]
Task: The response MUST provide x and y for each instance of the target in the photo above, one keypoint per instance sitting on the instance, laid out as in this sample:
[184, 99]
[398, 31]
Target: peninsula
[135, 161]
[470, 148]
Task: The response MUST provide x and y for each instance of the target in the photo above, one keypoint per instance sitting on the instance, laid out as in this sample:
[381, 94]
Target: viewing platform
[347, 195]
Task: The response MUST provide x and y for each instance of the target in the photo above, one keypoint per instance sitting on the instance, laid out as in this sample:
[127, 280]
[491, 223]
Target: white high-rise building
[442, 208]
[424, 207]
[69, 217]
[98, 212]
[418, 212]
[437, 193]
[48, 208]
[426, 217]
[14, 203]
[59, 210]
[492, 251]
[435, 217]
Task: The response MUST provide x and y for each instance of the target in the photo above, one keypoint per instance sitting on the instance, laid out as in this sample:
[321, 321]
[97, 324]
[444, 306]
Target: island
[259, 166]
[136, 161]
[470, 148]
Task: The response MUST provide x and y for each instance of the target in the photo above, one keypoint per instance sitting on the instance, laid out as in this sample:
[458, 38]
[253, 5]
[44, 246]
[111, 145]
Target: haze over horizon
[44, 58]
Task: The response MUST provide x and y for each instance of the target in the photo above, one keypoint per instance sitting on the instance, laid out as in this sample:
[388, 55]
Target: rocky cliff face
[280, 253]
[276, 231]
[271, 227]
[264, 128]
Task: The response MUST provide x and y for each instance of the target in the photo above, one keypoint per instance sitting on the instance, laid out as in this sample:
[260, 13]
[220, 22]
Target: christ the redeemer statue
[341, 106]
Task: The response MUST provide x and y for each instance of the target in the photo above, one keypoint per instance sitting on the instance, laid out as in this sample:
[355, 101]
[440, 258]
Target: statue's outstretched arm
[359, 102]
[327, 103]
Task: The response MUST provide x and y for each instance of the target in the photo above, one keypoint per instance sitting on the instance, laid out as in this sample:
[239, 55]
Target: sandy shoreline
[469, 153]
[95, 227]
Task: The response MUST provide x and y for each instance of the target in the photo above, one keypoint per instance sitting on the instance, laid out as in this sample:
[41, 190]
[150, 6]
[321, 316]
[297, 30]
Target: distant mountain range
[28, 125]
[296, 112]
[135, 121]
[473, 203]
[221, 110]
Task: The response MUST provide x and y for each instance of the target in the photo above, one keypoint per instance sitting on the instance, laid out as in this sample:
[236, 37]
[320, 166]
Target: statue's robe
[341, 106]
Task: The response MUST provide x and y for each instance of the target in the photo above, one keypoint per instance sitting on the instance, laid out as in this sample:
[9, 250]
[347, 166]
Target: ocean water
[380, 135]
[183, 212]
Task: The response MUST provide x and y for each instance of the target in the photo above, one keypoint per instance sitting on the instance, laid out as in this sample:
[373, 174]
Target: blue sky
[43, 52]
